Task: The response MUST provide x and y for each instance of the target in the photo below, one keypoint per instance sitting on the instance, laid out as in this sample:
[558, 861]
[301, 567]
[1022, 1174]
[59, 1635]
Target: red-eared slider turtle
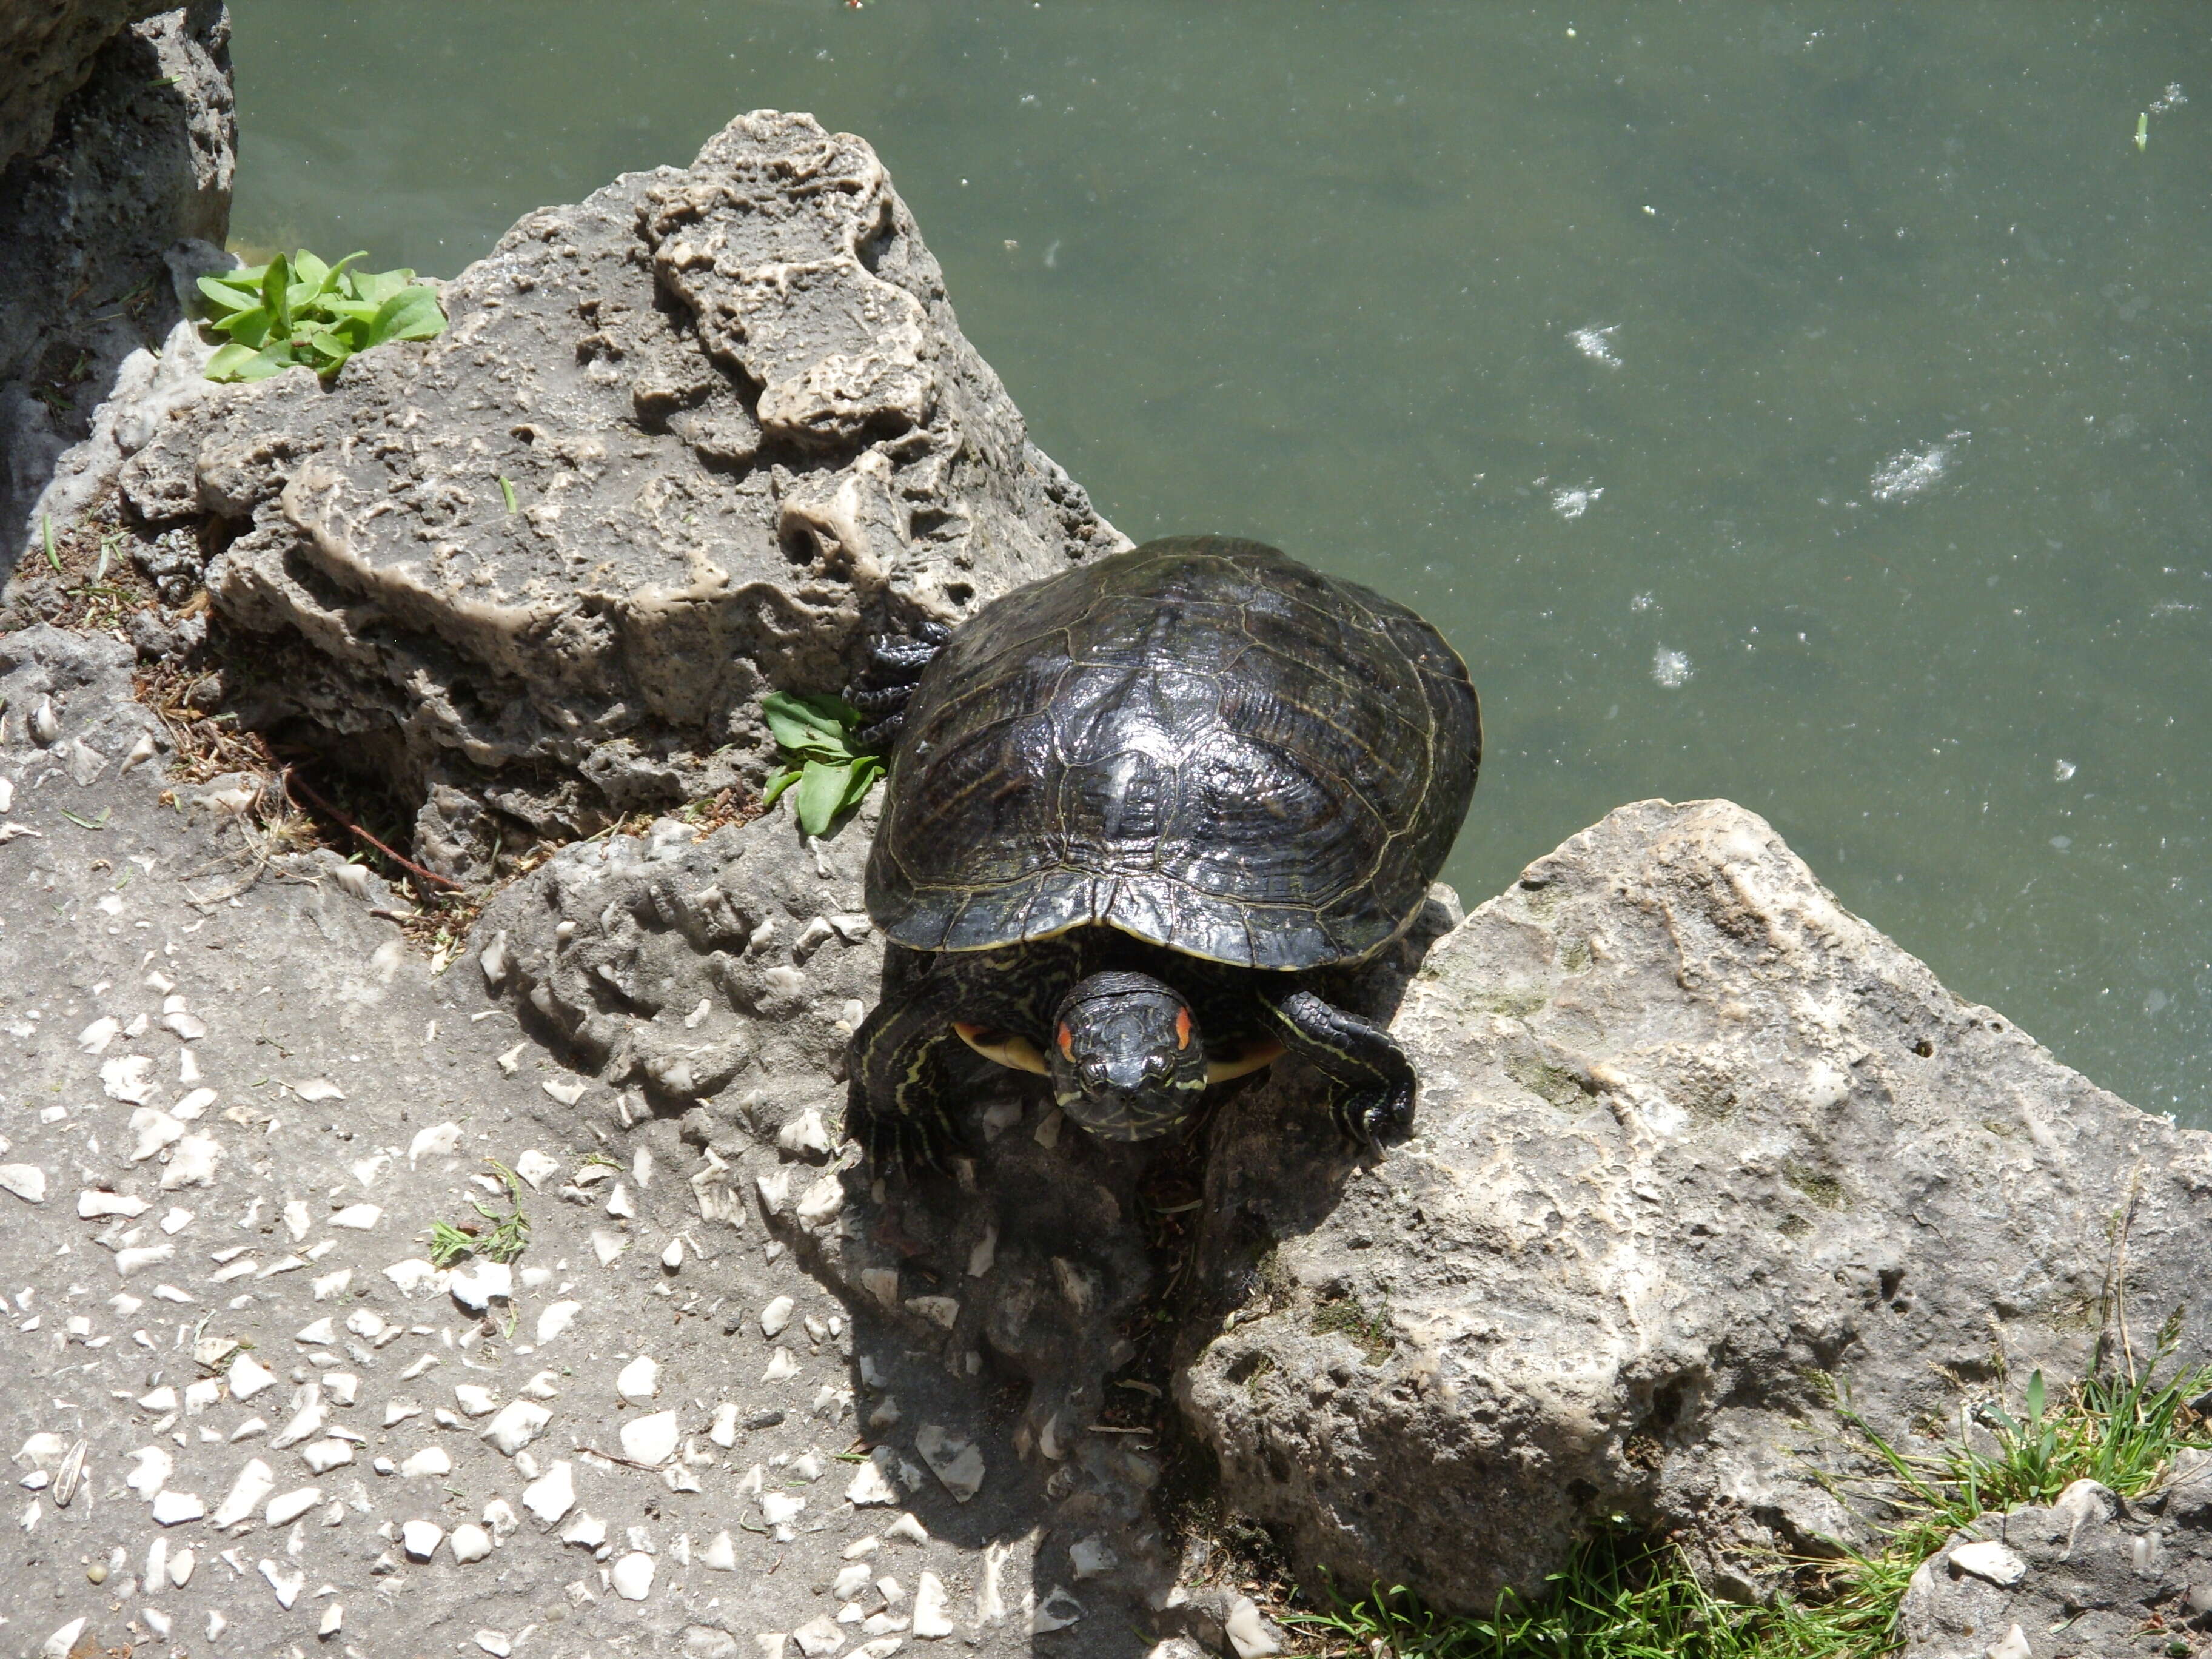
[1131, 808]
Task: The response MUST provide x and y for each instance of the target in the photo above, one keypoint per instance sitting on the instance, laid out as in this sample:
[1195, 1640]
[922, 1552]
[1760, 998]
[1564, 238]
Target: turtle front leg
[896, 663]
[896, 1097]
[1373, 1082]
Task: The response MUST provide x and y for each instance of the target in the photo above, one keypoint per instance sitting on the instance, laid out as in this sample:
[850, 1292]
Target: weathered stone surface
[1692, 1141]
[83, 682]
[741, 429]
[46, 52]
[693, 967]
[2103, 1577]
[101, 230]
[117, 901]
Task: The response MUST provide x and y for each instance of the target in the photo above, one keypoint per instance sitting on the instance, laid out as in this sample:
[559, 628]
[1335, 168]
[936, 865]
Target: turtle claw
[1373, 1115]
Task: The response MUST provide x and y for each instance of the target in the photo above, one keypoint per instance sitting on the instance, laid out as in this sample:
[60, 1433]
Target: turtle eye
[1066, 1041]
[1182, 1028]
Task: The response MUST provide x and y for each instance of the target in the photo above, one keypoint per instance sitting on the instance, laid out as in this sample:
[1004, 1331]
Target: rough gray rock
[741, 429]
[77, 688]
[731, 966]
[101, 230]
[717, 981]
[1693, 1140]
[2090, 1575]
[46, 52]
[232, 1124]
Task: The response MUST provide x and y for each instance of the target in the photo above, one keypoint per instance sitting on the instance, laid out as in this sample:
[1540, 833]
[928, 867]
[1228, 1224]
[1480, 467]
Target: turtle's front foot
[1374, 1082]
[896, 663]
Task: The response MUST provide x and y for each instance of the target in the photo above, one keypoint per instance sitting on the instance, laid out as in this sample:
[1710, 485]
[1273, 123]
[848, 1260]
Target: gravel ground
[246, 1413]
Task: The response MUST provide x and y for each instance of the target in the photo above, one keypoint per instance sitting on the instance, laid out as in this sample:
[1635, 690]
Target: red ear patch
[1182, 1028]
[1066, 1041]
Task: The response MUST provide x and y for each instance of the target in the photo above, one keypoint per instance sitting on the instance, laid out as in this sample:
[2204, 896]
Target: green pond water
[1797, 404]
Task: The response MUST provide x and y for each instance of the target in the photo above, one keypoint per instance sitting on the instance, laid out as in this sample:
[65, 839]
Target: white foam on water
[1671, 668]
[1911, 473]
[1596, 344]
[1573, 503]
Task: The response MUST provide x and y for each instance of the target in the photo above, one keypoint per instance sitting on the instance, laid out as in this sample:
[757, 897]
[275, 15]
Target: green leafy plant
[507, 1237]
[299, 311]
[831, 775]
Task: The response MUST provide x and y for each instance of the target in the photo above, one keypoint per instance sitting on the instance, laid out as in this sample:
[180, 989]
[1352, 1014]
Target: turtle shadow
[993, 1304]
[1021, 1315]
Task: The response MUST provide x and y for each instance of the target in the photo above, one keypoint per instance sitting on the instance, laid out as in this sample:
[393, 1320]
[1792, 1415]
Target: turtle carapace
[1132, 809]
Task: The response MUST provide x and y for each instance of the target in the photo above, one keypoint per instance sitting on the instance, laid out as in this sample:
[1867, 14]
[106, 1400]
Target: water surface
[1797, 404]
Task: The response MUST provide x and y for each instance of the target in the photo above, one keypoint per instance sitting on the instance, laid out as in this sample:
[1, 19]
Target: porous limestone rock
[669, 960]
[46, 52]
[84, 680]
[688, 441]
[117, 150]
[2102, 1576]
[1695, 1147]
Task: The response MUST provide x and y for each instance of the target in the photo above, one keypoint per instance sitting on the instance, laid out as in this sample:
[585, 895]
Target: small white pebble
[551, 1495]
[650, 1439]
[288, 1507]
[173, 1508]
[775, 1317]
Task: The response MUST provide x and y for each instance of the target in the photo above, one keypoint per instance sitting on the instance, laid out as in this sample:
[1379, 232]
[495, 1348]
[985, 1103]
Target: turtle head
[1125, 1058]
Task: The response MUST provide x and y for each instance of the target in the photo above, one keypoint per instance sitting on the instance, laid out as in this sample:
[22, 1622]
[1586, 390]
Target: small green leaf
[2035, 1397]
[54, 559]
[821, 796]
[276, 296]
[411, 314]
[865, 772]
[373, 288]
[229, 362]
[226, 294]
[506, 490]
[811, 725]
[249, 327]
[272, 358]
[776, 785]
